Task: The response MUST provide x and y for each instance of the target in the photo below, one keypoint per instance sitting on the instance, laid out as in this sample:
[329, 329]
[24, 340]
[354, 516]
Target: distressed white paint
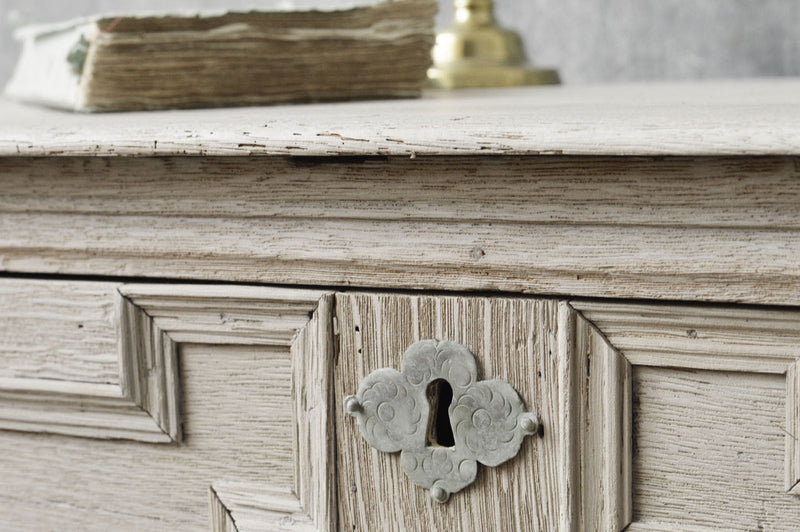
[711, 118]
[254, 408]
[257, 417]
[712, 229]
[710, 404]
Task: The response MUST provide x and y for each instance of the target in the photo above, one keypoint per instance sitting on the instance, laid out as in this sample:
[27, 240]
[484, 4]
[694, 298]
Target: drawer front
[128, 407]
[135, 407]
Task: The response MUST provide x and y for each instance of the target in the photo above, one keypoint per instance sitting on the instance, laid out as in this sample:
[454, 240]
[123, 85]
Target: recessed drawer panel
[129, 407]
[691, 417]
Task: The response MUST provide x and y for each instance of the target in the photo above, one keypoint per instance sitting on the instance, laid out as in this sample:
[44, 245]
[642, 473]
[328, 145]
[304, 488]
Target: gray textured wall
[588, 40]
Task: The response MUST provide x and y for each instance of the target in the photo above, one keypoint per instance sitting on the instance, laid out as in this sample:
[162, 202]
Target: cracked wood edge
[152, 321]
[610, 338]
[249, 507]
[311, 505]
[221, 518]
[756, 117]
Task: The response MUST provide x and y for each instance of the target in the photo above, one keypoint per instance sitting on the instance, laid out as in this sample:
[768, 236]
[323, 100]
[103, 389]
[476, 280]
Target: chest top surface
[750, 117]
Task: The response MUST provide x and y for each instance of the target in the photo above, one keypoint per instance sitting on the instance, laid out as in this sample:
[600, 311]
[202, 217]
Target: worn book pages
[310, 50]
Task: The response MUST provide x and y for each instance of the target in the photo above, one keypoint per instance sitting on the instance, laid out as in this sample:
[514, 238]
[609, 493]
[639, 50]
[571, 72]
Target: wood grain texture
[153, 319]
[237, 425]
[255, 414]
[140, 405]
[745, 192]
[221, 518]
[724, 338]
[746, 117]
[709, 450]
[738, 364]
[514, 340]
[605, 431]
[311, 503]
[58, 331]
[149, 367]
[792, 482]
[717, 229]
[224, 314]
[313, 350]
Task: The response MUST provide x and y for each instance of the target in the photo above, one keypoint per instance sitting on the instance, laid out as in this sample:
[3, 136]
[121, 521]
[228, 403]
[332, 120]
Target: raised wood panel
[710, 450]
[668, 228]
[141, 403]
[237, 407]
[254, 412]
[310, 504]
[152, 321]
[313, 351]
[792, 480]
[514, 339]
[715, 398]
[700, 337]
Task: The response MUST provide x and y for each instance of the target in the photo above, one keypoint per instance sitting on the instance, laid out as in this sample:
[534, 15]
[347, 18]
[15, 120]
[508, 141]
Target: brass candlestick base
[476, 52]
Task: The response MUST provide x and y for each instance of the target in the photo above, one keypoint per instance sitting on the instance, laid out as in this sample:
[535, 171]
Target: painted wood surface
[747, 192]
[254, 409]
[713, 118]
[602, 409]
[250, 507]
[659, 414]
[148, 323]
[514, 340]
[714, 229]
[709, 450]
[141, 403]
[237, 412]
[57, 330]
[711, 404]
[315, 490]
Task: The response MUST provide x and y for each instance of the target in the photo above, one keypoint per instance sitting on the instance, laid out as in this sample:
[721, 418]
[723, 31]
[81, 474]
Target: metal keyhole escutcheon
[488, 418]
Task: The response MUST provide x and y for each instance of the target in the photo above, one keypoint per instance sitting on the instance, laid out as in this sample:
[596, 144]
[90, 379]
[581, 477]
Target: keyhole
[440, 431]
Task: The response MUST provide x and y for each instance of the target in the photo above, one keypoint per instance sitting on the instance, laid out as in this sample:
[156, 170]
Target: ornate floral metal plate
[487, 417]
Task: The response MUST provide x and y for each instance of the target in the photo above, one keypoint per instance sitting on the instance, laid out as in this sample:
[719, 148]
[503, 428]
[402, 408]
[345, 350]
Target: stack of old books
[330, 50]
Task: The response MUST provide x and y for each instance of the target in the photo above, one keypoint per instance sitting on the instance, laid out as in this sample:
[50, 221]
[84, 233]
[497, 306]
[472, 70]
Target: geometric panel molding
[143, 406]
[311, 504]
[611, 338]
[243, 507]
[152, 320]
